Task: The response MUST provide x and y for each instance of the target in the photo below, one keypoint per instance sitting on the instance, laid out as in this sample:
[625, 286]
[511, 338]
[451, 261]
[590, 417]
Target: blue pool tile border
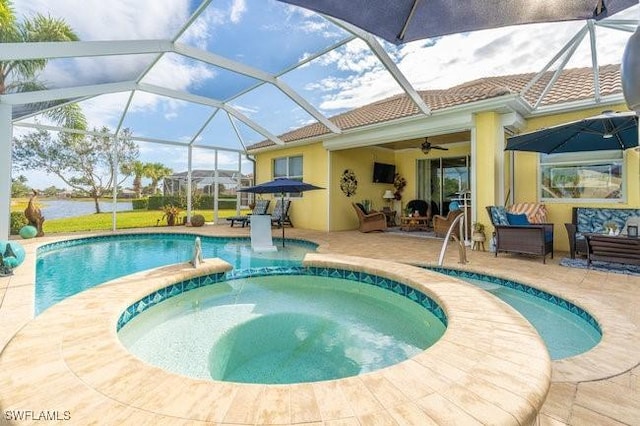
[193, 283]
[160, 235]
[551, 298]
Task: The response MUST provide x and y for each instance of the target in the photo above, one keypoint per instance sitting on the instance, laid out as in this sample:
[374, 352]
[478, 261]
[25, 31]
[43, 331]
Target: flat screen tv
[383, 173]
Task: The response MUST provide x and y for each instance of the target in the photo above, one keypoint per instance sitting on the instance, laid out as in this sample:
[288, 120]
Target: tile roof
[572, 85]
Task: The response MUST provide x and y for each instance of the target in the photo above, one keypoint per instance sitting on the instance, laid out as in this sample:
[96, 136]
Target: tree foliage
[156, 172]
[84, 163]
[139, 170]
[21, 75]
[19, 187]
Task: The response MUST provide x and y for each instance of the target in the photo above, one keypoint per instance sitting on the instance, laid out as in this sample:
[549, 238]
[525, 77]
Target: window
[592, 176]
[288, 167]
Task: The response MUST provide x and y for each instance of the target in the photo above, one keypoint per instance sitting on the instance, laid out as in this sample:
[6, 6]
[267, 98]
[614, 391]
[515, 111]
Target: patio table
[414, 223]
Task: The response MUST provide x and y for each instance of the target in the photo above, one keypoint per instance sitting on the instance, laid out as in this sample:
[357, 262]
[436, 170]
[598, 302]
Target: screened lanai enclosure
[196, 82]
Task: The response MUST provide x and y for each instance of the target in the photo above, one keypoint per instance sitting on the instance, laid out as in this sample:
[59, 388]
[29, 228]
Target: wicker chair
[441, 224]
[536, 239]
[374, 221]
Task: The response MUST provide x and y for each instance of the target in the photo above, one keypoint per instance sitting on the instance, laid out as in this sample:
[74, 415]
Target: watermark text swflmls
[37, 415]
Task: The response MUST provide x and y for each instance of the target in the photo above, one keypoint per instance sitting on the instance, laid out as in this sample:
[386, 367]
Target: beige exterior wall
[308, 211]
[360, 161]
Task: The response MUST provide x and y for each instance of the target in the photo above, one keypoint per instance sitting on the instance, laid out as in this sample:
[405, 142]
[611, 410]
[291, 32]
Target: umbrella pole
[281, 218]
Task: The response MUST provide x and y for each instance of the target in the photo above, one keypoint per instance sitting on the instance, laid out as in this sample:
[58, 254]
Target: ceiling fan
[426, 146]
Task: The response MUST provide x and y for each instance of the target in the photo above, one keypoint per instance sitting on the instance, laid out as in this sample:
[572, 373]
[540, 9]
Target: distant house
[126, 193]
[203, 182]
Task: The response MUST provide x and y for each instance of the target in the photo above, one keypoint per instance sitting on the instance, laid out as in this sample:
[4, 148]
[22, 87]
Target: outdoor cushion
[361, 207]
[592, 219]
[517, 219]
[536, 212]
[499, 215]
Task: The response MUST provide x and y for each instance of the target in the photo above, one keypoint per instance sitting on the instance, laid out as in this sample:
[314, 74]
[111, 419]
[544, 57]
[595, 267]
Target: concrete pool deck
[599, 387]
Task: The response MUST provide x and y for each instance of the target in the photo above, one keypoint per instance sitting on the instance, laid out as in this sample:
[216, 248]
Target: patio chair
[369, 222]
[280, 214]
[441, 224]
[260, 208]
[420, 206]
[514, 233]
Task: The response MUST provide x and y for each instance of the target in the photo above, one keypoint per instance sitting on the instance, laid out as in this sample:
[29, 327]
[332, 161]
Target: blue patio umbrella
[401, 21]
[608, 131]
[280, 186]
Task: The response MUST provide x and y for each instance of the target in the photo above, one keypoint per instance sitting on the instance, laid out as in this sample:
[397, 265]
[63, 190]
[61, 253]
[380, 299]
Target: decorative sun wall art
[348, 182]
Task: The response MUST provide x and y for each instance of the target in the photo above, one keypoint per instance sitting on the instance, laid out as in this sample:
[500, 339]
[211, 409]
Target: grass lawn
[125, 220]
[103, 221]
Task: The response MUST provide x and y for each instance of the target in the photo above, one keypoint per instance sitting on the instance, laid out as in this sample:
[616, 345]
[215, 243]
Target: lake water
[55, 209]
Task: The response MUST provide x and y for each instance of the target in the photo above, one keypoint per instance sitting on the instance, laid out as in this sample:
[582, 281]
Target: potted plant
[478, 232]
[171, 213]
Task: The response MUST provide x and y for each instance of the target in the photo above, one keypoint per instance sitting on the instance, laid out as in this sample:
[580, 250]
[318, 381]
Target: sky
[271, 36]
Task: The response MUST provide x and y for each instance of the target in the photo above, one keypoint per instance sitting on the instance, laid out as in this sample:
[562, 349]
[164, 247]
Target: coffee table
[414, 223]
[610, 248]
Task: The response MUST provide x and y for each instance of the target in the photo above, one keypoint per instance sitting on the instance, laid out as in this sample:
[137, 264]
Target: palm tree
[21, 75]
[155, 172]
[139, 170]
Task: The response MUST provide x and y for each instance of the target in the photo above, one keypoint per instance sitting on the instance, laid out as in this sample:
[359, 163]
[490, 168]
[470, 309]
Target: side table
[391, 217]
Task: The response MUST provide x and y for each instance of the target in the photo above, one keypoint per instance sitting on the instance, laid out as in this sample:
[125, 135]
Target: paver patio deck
[599, 387]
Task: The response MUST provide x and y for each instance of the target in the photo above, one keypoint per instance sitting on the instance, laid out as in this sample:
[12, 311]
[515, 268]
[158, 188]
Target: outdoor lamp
[388, 195]
[630, 72]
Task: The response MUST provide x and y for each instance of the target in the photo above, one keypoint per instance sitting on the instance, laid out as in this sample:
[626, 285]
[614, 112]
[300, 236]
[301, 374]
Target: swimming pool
[566, 329]
[68, 267]
[278, 329]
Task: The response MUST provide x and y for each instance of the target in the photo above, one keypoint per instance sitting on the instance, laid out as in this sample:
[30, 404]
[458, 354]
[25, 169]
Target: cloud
[238, 9]
[446, 61]
[179, 73]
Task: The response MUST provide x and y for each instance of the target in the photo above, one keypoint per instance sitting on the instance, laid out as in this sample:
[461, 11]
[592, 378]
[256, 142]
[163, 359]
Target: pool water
[75, 266]
[281, 329]
[564, 333]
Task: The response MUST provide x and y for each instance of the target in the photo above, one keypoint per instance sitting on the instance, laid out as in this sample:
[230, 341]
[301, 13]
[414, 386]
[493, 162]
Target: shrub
[197, 220]
[18, 220]
[140, 203]
[201, 202]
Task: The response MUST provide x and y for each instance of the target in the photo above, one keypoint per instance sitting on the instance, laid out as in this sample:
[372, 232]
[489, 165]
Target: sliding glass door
[443, 179]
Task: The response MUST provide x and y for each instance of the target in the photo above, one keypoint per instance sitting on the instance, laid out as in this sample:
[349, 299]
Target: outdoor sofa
[591, 220]
[516, 234]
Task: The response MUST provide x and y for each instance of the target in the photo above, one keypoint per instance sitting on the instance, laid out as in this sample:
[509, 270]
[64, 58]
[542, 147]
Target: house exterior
[473, 121]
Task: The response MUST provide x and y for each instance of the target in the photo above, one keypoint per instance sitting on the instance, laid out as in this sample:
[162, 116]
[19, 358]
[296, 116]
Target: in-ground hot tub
[285, 328]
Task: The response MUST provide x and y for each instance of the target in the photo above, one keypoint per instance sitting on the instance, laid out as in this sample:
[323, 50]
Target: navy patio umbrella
[402, 21]
[608, 131]
[280, 186]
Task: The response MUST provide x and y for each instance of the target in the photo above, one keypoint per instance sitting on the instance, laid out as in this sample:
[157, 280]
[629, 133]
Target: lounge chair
[515, 234]
[260, 208]
[373, 221]
[280, 215]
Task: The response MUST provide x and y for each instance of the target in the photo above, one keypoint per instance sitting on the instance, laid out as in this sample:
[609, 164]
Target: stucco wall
[360, 161]
[308, 211]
